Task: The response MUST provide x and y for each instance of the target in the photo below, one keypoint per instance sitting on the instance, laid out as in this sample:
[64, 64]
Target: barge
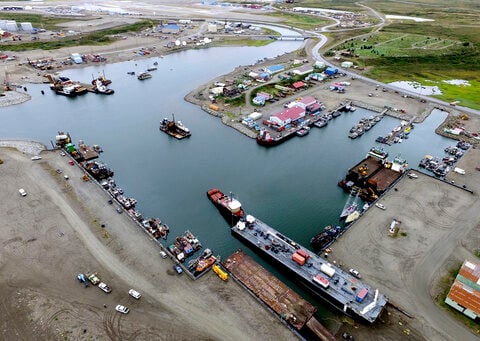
[333, 285]
[373, 176]
[174, 128]
[272, 292]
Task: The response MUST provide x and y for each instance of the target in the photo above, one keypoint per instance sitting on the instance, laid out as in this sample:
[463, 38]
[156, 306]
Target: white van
[22, 192]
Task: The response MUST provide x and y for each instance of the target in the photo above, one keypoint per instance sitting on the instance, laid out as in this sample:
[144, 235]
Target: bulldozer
[363, 170]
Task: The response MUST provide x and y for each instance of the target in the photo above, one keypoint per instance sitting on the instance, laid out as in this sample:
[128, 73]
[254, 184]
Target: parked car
[122, 309]
[71, 163]
[135, 294]
[22, 192]
[355, 273]
[178, 269]
[347, 336]
[104, 287]
[412, 175]
[163, 254]
[36, 157]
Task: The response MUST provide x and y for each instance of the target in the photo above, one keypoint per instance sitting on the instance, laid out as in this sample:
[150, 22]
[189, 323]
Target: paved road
[317, 56]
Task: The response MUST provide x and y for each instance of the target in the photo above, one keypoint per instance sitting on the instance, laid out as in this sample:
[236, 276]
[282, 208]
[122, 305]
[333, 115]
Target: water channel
[292, 187]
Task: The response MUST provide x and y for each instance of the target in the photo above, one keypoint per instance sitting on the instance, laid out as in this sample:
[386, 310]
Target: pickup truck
[93, 278]
[104, 287]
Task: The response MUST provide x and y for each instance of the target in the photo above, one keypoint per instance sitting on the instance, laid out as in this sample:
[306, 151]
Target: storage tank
[213, 107]
[329, 271]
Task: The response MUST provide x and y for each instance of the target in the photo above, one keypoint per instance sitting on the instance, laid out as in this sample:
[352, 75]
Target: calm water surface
[293, 187]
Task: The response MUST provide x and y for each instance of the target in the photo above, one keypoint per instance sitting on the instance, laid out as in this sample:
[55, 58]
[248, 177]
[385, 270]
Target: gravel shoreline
[24, 146]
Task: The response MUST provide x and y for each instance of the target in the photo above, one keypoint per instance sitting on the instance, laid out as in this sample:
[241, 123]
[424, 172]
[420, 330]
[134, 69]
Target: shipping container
[304, 254]
[299, 259]
[361, 295]
[321, 281]
[329, 271]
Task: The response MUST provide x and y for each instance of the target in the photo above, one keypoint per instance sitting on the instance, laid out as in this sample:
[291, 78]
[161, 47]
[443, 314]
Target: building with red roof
[464, 294]
[288, 116]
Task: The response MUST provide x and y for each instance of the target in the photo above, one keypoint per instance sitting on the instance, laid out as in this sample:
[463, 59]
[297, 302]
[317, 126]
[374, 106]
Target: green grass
[37, 20]
[302, 21]
[243, 42]
[103, 37]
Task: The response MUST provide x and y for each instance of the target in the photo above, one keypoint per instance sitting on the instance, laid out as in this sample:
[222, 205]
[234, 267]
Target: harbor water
[292, 187]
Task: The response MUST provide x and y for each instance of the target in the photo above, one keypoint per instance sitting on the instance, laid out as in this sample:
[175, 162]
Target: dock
[285, 302]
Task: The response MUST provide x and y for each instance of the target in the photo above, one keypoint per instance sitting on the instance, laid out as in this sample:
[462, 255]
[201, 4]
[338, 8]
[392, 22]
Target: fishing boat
[348, 210]
[352, 217]
[303, 131]
[321, 123]
[144, 75]
[99, 88]
[204, 264]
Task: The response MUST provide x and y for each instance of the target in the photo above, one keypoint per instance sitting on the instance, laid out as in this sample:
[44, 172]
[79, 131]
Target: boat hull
[231, 218]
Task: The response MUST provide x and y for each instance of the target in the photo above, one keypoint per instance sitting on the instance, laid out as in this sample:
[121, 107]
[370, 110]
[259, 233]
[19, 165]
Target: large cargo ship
[229, 207]
[330, 283]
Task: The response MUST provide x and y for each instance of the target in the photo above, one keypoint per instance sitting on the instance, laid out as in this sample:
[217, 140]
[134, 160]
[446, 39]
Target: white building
[11, 26]
[26, 26]
[212, 28]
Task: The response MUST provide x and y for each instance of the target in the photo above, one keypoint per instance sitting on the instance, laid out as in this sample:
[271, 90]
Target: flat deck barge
[330, 283]
[285, 302]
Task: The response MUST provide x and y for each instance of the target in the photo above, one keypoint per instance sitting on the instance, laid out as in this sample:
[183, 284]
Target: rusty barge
[285, 302]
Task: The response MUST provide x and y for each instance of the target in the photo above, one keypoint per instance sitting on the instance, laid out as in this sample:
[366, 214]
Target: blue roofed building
[169, 28]
[275, 68]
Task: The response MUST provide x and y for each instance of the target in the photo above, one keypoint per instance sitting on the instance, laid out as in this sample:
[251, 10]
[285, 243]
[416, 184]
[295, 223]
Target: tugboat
[144, 75]
[175, 129]
[230, 208]
[378, 153]
[325, 238]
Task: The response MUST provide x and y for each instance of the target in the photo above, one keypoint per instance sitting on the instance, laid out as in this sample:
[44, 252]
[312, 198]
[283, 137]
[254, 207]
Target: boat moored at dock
[336, 286]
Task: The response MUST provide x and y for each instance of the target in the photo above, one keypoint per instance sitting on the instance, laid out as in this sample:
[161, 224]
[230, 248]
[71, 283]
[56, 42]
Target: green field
[431, 52]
